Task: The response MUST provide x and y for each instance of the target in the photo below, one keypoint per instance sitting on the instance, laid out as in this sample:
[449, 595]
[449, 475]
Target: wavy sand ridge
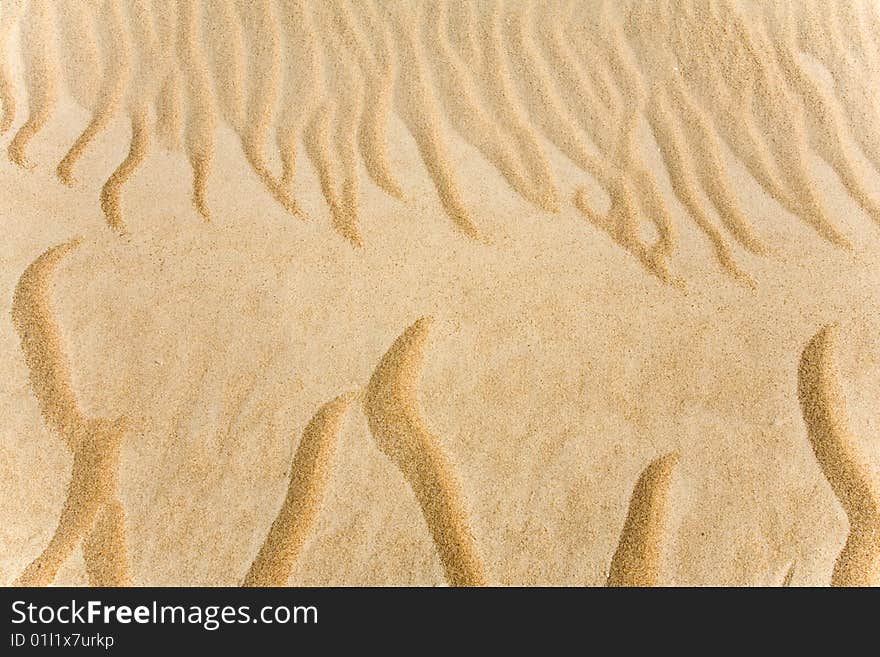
[40, 61]
[400, 432]
[115, 72]
[91, 510]
[503, 76]
[745, 94]
[308, 479]
[9, 15]
[824, 408]
[636, 562]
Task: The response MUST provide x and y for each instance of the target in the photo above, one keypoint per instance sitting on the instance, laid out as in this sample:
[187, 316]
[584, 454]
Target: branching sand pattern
[93, 514]
[91, 511]
[504, 76]
[824, 408]
[510, 78]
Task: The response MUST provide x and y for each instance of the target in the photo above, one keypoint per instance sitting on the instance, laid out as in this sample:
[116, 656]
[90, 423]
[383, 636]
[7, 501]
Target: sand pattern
[502, 75]
[93, 514]
[91, 511]
[711, 85]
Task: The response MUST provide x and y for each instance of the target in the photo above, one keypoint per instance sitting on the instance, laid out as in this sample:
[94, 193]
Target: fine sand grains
[650, 134]
[91, 492]
[8, 18]
[637, 559]
[308, 478]
[400, 432]
[825, 414]
[503, 76]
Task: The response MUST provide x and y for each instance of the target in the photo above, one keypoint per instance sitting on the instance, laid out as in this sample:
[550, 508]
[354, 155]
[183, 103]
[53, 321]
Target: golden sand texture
[104, 550]
[706, 75]
[789, 576]
[637, 559]
[95, 444]
[825, 414]
[400, 432]
[308, 478]
[623, 224]
[41, 344]
[115, 73]
[8, 19]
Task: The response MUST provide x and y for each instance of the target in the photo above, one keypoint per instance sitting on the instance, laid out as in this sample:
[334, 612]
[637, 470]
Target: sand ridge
[637, 559]
[95, 443]
[825, 414]
[401, 434]
[308, 478]
[92, 514]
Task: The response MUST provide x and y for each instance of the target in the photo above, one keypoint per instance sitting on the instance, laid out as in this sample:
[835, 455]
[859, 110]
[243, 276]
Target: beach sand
[440, 293]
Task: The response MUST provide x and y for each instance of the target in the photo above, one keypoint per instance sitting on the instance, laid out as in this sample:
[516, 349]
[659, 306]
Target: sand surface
[427, 293]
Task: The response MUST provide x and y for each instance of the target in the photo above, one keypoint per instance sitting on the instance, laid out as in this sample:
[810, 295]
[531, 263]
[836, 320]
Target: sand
[440, 293]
